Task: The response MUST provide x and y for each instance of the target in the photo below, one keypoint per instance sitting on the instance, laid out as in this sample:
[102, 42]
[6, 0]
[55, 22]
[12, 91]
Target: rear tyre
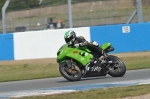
[119, 68]
[71, 74]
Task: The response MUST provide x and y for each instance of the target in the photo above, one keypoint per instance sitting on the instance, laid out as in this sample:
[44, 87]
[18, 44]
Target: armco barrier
[124, 37]
[44, 44]
[6, 47]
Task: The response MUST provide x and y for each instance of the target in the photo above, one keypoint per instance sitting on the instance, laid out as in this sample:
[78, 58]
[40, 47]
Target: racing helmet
[70, 37]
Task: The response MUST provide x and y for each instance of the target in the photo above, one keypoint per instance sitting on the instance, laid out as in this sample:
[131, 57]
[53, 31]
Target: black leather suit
[81, 41]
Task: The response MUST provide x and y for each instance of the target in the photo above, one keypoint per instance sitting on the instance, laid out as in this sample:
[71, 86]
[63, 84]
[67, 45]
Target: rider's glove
[77, 45]
[84, 43]
[81, 44]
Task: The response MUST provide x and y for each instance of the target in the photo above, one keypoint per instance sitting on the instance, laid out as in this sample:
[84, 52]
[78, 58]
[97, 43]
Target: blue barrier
[124, 37]
[6, 47]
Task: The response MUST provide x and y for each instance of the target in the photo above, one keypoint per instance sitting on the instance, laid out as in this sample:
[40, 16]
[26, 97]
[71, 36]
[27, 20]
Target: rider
[74, 41]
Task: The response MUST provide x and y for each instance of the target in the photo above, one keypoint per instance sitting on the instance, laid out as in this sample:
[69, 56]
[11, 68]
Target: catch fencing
[84, 13]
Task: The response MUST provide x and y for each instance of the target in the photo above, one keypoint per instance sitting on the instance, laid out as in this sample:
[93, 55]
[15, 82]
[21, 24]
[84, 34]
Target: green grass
[36, 69]
[47, 68]
[139, 62]
[28, 71]
[109, 93]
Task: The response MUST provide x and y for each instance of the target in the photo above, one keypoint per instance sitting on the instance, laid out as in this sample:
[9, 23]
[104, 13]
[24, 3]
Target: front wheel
[118, 69]
[72, 74]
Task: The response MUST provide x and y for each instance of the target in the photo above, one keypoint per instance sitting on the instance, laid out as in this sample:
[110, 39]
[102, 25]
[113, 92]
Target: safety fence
[84, 14]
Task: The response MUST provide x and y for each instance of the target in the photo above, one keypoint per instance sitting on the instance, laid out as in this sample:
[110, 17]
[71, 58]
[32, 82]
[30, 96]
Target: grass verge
[109, 93]
[47, 68]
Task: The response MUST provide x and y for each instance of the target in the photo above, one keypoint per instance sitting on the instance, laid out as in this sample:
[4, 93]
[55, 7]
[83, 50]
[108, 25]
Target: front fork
[68, 62]
[70, 67]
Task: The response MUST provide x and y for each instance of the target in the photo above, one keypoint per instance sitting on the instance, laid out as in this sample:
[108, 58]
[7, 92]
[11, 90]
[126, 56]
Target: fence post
[70, 14]
[139, 10]
[4, 15]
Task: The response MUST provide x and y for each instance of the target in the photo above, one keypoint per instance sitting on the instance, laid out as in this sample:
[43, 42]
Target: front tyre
[72, 74]
[118, 69]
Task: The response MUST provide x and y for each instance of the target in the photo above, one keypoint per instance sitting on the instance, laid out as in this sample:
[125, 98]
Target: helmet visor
[69, 39]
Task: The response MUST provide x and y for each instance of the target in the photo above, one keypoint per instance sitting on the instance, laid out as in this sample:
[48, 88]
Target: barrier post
[4, 15]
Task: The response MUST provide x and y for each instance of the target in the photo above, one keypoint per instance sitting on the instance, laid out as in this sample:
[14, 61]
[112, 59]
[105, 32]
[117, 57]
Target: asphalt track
[16, 86]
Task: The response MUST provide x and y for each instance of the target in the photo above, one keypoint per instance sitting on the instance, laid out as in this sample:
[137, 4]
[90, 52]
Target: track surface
[6, 87]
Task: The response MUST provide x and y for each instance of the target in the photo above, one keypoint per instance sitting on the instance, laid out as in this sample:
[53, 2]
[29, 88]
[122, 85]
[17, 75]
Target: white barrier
[42, 44]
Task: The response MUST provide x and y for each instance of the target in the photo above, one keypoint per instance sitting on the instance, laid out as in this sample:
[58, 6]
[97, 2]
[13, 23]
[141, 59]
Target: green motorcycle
[77, 63]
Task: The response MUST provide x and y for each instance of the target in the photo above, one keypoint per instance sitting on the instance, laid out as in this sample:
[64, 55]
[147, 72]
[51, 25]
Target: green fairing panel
[105, 45]
[62, 52]
[77, 55]
[73, 53]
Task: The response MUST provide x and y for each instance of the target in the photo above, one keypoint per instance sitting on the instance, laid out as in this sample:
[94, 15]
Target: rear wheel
[72, 74]
[118, 69]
